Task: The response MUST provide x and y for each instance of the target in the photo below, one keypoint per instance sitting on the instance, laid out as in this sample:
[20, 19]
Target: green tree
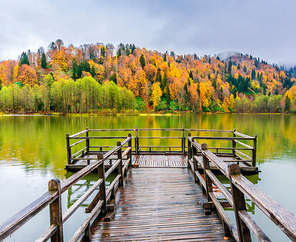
[142, 61]
[253, 74]
[287, 104]
[74, 69]
[43, 61]
[24, 59]
[113, 78]
[168, 96]
[229, 67]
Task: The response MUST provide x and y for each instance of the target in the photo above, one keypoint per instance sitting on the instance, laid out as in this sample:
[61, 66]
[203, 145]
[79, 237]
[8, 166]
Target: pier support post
[120, 171]
[183, 140]
[254, 151]
[233, 144]
[87, 141]
[206, 164]
[195, 165]
[137, 141]
[239, 204]
[55, 210]
[189, 151]
[102, 191]
[68, 149]
[130, 152]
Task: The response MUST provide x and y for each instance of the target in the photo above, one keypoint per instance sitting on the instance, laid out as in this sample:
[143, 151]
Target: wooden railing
[236, 146]
[52, 198]
[241, 188]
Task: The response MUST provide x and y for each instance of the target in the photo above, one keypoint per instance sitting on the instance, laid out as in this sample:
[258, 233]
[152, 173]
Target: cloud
[261, 28]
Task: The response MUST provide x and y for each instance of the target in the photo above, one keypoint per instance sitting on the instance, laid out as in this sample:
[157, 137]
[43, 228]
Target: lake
[33, 151]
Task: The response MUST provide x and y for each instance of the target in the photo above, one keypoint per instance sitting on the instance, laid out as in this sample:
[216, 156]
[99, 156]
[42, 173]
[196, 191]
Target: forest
[94, 78]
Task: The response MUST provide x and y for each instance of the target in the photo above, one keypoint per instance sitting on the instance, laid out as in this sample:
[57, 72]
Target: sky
[262, 28]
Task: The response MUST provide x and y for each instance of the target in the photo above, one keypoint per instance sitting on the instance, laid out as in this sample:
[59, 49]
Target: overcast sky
[262, 28]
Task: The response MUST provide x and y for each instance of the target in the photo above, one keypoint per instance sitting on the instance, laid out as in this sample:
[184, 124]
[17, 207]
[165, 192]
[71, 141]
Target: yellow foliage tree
[156, 94]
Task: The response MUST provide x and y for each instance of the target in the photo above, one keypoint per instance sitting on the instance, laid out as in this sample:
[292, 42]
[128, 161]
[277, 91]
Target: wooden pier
[163, 192]
[160, 205]
[238, 148]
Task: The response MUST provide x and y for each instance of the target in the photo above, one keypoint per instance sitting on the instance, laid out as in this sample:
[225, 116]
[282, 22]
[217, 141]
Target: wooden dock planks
[160, 205]
[160, 160]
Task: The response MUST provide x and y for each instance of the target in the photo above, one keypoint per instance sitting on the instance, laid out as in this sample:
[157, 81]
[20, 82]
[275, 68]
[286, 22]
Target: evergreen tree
[229, 67]
[158, 75]
[74, 69]
[168, 96]
[24, 59]
[191, 75]
[142, 61]
[103, 51]
[164, 82]
[113, 78]
[245, 69]
[287, 104]
[43, 61]
[92, 71]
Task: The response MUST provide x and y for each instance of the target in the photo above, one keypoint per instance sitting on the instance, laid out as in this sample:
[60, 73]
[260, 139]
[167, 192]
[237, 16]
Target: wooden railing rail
[137, 148]
[52, 198]
[241, 187]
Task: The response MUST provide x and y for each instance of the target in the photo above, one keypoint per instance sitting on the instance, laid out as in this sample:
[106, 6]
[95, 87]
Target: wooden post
[68, 149]
[130, 152]
[233, 144]
[55, 210]
[87, 141]
[189, 151]
[239, 204]
[119, 154]
[137, 142]
[102, 192]
[254, 151]
[101, 195]
[206, 164]
[183, 141]
[195, 166]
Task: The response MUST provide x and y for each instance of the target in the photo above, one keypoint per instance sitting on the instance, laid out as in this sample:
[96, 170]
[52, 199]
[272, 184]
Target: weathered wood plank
[160, 204]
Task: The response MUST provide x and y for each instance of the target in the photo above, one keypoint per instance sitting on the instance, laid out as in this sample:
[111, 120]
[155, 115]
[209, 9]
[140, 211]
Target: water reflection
[82, 186]
[33, 151]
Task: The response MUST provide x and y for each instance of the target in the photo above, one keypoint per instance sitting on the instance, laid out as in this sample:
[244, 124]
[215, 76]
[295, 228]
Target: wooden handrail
[284, 219]
[50, 198]
[23, 216]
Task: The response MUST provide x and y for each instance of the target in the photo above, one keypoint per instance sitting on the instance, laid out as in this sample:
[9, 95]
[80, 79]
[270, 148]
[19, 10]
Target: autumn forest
[92, 78]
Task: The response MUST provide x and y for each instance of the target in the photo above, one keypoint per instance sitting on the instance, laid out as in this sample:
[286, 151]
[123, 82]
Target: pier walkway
[157, 204]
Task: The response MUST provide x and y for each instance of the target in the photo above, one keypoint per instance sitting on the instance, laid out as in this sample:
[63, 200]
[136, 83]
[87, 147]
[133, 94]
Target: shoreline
[119, 114]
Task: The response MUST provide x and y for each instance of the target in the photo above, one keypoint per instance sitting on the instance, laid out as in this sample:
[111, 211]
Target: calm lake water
[33, 151]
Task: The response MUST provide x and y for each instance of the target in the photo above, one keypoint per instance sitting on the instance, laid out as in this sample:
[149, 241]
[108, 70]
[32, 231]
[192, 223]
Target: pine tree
[74, 69]
[158, 75]
[142, 61]
[287, 104]
[229, 67]
[164, 81]
[191, 75]
[43, 61]
[168, 96]
[24, 59]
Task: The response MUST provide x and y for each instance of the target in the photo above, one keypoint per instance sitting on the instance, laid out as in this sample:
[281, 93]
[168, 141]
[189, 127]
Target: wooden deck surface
[160, 205]
[160, 160]
[163, 161]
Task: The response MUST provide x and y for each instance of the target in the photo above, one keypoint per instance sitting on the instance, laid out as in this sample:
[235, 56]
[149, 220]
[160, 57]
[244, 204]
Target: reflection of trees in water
[81, 187]
[38, 142]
